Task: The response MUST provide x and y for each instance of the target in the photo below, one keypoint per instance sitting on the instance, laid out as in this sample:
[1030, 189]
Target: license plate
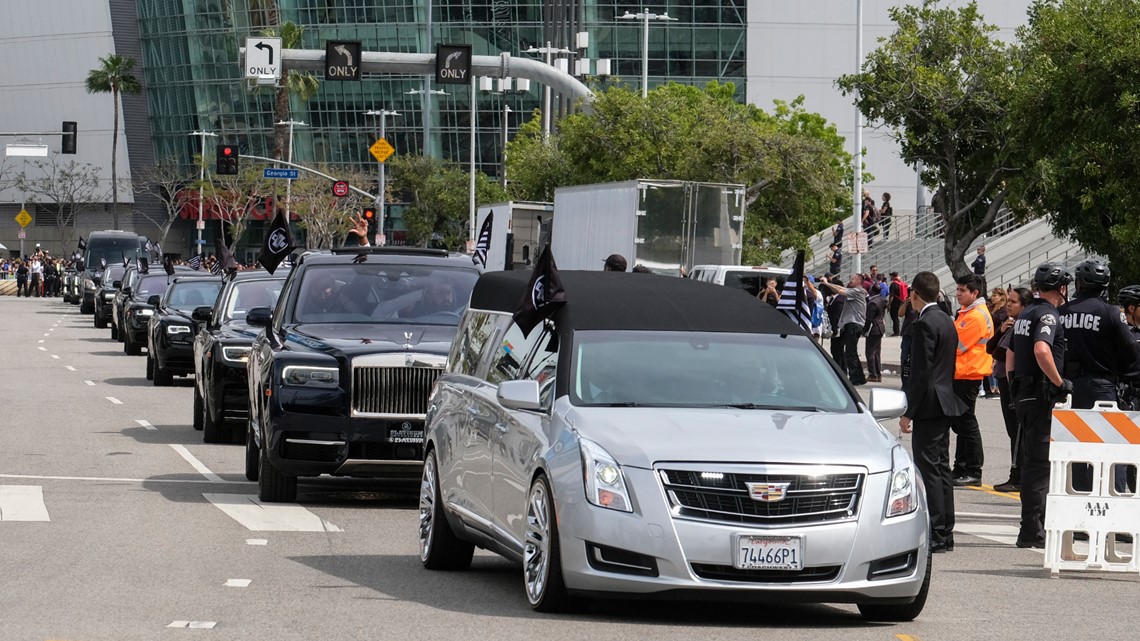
[768, 552]
[406, 434]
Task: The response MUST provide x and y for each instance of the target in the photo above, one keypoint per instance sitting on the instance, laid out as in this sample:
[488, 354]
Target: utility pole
[380, 200]
[201, 182]
[548, 51]
[858, 138]
[289, 183]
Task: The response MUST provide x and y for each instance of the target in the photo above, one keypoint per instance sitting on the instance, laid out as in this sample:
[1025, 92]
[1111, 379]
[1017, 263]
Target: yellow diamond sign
[23, 218]
[381, 150]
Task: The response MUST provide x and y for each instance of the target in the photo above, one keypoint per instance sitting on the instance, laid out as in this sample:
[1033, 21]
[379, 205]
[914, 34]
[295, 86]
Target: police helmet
[1092, 274]
[1129, 295]
[1051, 277]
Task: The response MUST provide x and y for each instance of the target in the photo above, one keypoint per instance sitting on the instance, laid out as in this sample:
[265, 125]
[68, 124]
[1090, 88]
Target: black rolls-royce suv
[339, 380]
[171, 329]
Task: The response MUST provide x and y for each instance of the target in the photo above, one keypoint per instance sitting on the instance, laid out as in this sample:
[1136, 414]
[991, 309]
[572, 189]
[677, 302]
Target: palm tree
[114, 76]
[300, 83]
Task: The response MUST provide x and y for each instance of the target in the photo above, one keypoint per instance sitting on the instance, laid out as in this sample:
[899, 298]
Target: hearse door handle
[501, 428]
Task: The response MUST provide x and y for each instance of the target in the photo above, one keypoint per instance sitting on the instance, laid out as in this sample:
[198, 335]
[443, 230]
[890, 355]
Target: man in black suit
[931, 403]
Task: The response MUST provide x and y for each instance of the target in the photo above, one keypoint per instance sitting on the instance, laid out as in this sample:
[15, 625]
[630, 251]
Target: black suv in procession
[171, 329]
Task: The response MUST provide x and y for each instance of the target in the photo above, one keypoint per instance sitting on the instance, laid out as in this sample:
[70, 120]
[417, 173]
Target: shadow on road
[129, 382]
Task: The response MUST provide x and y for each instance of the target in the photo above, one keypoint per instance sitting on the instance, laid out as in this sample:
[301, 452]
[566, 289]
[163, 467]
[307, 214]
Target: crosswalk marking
[22, 503]
[195, 463]
[996, 532]
[262, 517]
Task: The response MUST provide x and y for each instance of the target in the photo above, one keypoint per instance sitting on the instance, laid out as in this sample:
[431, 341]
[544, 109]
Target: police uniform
[1039, 322]
[1101, 350]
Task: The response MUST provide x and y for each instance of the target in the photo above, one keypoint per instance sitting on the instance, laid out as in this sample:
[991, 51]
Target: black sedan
[109, 284]
[130, 279]
[171, 328]
[339, 380]
[221, 349]
[137, 308]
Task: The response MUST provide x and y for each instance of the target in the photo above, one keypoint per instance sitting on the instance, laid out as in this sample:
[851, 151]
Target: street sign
[281, 173]
[200, 242]
[21, 234]
[381, 150]
[199, 224]
[342, 60]
[340, 189]
[263, 57]
[23, 218]
[856, 242]
[453, 64]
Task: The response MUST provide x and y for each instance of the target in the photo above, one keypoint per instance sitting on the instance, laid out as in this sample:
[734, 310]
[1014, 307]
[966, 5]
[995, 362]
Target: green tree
[65, 190]
[113, 76]
[170, 183]
[437, 193]
[940, 85]
[324, 217]
[234, 198]
[301, 84]
[1077, 103]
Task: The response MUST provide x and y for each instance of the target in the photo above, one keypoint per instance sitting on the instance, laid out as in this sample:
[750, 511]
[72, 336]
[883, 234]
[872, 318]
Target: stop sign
[340, 188]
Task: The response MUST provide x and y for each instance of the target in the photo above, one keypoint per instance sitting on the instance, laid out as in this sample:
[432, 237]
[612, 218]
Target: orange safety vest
[975, 326]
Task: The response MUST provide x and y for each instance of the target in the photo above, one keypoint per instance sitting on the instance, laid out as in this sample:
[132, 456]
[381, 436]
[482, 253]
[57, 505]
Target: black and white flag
[143, 265]
[793, 299]
[226, 262]
[544, 294]
[216, 267]
[196, 262]
[168, 265]
[278, 244]
[82, 244]
[484, 241]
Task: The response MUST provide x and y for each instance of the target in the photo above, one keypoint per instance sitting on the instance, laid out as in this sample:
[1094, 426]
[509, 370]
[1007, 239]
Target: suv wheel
[542, 554]
[129, 346]
[85, 308]
[149, 368]
[100, 322]
[251, 454]
[197, 408]
[114, 332]
[440, 549]
[162, 378]
[213, 430]
[896, 612]
[272, 485]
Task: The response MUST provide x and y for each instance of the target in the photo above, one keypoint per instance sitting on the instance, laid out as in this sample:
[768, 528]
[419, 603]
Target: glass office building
[194, 80]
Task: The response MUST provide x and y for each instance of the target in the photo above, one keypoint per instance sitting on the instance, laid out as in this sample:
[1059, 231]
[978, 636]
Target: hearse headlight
[902, 494]
[605, 482]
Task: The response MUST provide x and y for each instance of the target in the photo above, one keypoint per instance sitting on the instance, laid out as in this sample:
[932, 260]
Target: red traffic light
[227, 151]
[369, 213]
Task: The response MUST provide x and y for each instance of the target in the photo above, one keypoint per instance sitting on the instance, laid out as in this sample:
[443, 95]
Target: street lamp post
[201, 181]
[503, 156]
[380, 201]
[858, 138]
[426, 93]
[289, 183]
[548, 51]
[645, 16]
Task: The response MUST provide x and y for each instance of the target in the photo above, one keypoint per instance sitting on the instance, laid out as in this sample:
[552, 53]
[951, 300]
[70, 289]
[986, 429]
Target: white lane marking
[40, 341]
[987, 515]
[145, 425]
[91, 383]
[257, 542]
[117, 480]
[238, 583]
[112, 399]
[70, 367]
[47, 334]
[272, 517]
[42, 348]
[55, 356]
[22, 503]
[51, 330]
[195, 463]
[193, 625]
[996, 532]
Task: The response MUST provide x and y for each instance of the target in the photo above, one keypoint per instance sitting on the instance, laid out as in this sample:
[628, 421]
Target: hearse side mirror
[202, 314]
[153, 300]
[258, 317]
[127, 290]
[519, 395]
[887, 403]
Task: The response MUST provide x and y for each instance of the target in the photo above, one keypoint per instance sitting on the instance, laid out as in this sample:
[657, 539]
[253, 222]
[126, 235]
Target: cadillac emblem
[768, 492]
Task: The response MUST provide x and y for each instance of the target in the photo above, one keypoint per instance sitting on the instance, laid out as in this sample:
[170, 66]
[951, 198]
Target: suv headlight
[235, 353]
[177, 329]
[309, 376]
[605, 482]
[144, 311]
[902, 493]
[108, 295]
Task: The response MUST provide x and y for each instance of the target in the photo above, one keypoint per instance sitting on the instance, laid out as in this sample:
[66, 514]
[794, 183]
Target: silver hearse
[663, 437]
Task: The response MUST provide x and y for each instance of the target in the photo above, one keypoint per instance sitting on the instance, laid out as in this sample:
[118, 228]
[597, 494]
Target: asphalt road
[118, 523]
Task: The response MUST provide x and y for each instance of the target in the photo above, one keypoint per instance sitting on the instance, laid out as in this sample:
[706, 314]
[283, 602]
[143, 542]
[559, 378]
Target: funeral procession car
[171, 328]
[109, 284]
[221, 349]
[339, 380]
[661, 436]
[136, 308]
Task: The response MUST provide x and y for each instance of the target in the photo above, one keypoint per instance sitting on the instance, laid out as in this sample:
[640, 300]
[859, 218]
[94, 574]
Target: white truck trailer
[519, 231]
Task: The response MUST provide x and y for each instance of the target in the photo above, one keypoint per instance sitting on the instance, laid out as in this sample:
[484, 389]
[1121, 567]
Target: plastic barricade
[1106, 439]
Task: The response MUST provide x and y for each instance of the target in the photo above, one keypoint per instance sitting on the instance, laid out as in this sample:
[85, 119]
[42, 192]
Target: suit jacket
[930, 389]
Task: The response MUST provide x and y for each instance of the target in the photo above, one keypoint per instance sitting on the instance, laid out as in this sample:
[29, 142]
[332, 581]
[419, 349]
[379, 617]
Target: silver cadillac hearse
[659, 436]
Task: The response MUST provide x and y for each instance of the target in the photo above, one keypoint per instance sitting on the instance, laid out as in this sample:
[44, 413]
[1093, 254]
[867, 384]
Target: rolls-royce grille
[401, 391]
[725, 497]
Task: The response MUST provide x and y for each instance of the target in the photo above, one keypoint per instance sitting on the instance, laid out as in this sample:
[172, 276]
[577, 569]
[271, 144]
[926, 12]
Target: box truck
[519, 231]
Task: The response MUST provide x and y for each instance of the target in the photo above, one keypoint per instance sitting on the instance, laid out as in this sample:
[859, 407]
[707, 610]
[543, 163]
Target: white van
[750, 278]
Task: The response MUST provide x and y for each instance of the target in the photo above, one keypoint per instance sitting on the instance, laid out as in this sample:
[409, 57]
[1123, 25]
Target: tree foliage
[941, 85]
[1078, 107]
[113, 76]
[168, 181]
[438, 198]
[234, 198]
[64, 189]
[325, 217]
[792, 162]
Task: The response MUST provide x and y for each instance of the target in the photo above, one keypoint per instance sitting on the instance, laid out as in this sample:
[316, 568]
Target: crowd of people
[38, 274]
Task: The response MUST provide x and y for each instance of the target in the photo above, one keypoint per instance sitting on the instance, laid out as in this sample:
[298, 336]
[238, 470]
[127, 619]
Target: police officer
[1129, 298]
[1038, 348]
[1100, 351]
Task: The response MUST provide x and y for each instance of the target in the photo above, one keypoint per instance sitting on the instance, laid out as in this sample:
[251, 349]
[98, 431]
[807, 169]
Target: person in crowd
[931, 405]
[815, 301]
[997, 304]
[1099, 351]
[909, 314]
[834, 311]
[873, 332]
[1036, 358]
[974, 327]
[886, 213]
[851, 322]
[979, 265]
[642, 269]
[769, 293]
[837, 231]
[897, 297]
[884, 288]
[614, 263]
[869, 217]
[998, 347]
[22, 279]
[835, 261]
[36, 273]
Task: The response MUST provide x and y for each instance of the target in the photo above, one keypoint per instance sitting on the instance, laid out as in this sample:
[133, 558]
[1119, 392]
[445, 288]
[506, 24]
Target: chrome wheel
[536, 546]
[427, 508]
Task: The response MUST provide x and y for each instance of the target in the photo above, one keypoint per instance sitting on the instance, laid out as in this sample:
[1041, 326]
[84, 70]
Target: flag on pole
[278, 244]
[544, 294]
[484, 242]
[216, 267]
[196, 262]
[226, 262]
[143, 265]
[82, 244]
[793, 299]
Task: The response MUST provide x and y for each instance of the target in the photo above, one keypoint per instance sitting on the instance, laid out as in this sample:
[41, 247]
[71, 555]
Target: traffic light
[227, 159]
[372, 218]
[70, 133]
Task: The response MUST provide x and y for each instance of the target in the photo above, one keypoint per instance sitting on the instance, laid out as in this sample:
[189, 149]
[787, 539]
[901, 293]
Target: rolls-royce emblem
[768, 492]
[406, 426]
[408, 336]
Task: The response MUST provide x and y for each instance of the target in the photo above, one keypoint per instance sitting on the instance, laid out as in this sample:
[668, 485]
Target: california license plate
[768, 552]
